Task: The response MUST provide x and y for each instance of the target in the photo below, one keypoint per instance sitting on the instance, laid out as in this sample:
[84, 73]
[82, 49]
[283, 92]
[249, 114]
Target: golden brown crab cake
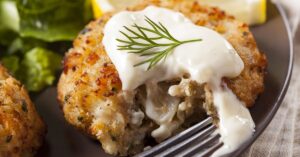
[21, 128]
[90, 92]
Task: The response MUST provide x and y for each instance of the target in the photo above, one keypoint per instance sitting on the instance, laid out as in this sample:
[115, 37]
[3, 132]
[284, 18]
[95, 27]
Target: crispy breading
[21, 128]
[89, 88]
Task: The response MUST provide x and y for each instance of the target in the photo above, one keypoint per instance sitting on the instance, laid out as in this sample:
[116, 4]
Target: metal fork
[198, 140]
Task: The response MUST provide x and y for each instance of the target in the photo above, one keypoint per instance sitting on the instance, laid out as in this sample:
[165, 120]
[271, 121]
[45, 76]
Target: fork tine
[181, 146]
[176, 139]
[211, 150]
[200, 146]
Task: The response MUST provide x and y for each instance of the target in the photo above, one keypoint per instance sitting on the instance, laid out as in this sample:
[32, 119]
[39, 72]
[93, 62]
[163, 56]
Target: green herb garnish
[139, 42]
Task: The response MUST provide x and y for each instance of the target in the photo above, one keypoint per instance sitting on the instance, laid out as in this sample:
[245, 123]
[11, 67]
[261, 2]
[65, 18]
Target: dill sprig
[139, 42]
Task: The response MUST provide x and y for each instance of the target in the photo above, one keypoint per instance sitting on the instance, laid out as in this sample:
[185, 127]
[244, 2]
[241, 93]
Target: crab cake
[21, 128]
[91, 96]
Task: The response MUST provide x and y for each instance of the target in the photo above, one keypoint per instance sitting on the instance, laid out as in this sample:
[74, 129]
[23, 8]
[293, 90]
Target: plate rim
[269, 117]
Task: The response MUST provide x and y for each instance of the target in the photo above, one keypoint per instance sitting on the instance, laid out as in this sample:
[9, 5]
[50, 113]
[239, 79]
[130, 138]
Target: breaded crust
[21, 128]
[89, 85]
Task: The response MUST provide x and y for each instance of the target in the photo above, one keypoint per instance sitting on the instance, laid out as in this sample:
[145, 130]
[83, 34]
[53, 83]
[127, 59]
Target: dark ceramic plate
[273, 38]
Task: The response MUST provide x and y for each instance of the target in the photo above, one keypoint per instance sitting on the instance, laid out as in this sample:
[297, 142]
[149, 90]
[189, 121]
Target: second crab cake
[21, 128]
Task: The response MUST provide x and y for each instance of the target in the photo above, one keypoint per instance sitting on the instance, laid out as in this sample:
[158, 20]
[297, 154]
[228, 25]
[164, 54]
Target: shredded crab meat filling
[169, 104]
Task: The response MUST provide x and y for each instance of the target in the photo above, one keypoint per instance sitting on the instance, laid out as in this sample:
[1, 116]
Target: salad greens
[52, 20]
[39, 65]
[12, 63]
[34, 34]
[9, 21]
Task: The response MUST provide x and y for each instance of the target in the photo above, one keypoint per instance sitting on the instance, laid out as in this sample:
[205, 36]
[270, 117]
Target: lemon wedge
[249, 11]
[102, 6]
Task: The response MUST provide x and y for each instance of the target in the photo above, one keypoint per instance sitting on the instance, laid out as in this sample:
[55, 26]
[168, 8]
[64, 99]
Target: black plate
[273, 38]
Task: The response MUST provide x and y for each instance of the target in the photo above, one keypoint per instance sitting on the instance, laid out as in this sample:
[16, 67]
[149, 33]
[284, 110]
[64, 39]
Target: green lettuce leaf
[9, 15]
[9, 21]
[12, 63]
[53, 20]
[23, 45]
[38, 68]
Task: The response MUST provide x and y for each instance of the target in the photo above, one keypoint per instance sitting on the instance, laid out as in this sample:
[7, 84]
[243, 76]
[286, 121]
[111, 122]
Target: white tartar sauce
[206, 61]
